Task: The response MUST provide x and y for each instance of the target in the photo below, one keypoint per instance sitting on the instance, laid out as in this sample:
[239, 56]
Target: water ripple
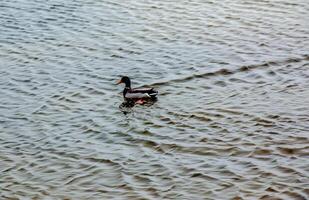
[231, 120]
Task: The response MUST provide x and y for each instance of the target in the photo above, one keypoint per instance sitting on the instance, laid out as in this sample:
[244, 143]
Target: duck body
[137, 94]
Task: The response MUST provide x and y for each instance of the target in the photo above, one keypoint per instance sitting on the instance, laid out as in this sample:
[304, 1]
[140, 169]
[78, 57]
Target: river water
[231, 120]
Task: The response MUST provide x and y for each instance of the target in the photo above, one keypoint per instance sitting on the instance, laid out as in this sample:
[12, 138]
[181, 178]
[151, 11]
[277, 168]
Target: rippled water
[232, 118]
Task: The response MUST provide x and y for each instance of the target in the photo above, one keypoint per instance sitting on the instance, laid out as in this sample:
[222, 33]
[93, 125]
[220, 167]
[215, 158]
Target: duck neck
[128, 84]
[125, 90]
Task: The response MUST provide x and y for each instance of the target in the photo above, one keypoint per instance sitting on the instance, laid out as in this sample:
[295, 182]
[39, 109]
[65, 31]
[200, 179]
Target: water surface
[232, 118]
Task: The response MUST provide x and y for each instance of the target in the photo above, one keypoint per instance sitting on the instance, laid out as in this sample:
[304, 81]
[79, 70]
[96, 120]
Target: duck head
[126, 80]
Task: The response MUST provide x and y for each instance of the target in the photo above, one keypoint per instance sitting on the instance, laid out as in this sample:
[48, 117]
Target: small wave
[223, 72]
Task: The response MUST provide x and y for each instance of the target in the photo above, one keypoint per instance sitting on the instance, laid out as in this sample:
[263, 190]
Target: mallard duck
[137, 95]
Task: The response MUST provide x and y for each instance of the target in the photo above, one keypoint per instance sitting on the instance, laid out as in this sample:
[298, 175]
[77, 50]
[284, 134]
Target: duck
[136, 95]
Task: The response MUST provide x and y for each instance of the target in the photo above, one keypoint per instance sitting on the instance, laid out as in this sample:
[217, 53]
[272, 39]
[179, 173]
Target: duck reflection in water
[133, 96]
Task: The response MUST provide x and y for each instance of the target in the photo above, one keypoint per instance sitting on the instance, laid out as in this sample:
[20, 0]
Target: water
[232, 117]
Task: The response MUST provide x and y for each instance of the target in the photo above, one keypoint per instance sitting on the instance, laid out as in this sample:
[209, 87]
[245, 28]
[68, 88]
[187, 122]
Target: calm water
[232, 118]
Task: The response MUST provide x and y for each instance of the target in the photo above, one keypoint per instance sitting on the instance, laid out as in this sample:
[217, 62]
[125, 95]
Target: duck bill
[118, 82]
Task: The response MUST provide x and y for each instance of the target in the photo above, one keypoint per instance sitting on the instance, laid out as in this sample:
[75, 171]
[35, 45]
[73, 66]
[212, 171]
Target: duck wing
[139, 93]
[129, 95]
[141, 90]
